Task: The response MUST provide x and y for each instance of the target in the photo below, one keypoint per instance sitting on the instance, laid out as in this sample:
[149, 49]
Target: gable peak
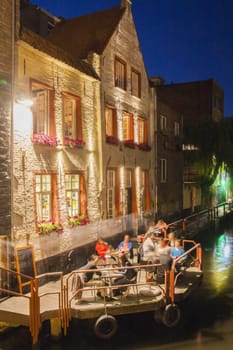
[126, 4]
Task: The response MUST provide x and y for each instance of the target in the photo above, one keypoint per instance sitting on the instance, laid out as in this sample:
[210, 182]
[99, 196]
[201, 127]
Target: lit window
[177, 129]
[142, 131]
[127, 126]
[135, 83]
[120, 73]
[43, 101]
[72, 184]
[111, 122]
[163, 170]
[163, 122]
[43, 197]
[111, 191]
[72, 124]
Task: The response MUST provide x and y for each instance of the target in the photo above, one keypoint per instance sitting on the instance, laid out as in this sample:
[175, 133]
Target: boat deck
[140, 297]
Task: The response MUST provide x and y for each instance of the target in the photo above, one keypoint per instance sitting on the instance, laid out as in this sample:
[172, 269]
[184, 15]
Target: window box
[113, 140]
[144, 147]
[46, 140]
[73, 143]
[47, 226]
[129, 143]
[78, 220]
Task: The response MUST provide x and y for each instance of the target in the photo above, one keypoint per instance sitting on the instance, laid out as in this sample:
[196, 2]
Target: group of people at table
[155, 247]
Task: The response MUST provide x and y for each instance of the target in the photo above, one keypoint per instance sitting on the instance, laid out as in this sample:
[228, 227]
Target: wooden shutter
[83, 197]
[134, 197]
[147, 191]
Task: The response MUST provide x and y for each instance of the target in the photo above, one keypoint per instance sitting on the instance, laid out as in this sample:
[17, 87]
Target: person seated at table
[165, 260]
[171, 239]
[102, 248]
[127, 276]
[79, 279]
[149, 248]
[162, 226]
[126, 246]
[176, 252]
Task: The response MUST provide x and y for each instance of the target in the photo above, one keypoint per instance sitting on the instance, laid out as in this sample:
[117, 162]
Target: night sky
[181, 40]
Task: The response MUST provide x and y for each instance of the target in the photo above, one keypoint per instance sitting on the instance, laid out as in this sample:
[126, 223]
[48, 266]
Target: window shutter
[83, 198]
[52, 130]
[78, 119]
[54, 199]
[145, 131]
[131, 128]
[134, 198]
[117, 194]
[147, 191]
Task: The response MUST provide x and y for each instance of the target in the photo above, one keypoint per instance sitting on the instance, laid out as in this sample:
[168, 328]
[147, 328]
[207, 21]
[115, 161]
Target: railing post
[184, 226]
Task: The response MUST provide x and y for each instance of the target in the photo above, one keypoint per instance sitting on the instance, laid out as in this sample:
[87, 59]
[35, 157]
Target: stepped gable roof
[88, 33]
[44, 45]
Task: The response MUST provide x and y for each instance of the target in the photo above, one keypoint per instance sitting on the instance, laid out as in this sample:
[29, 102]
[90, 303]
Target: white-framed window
[177, 129]
[111, 193]
[43, 197]
[135, 83]
[120, 73]
[163, 170]
[69, 117]
[163, 122]
[40, 109]
[72, 186]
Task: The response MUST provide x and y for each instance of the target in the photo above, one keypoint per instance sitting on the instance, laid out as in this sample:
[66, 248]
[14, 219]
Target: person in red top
[102, 248]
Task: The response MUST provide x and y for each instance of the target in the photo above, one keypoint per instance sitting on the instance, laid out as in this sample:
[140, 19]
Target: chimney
[126, 4]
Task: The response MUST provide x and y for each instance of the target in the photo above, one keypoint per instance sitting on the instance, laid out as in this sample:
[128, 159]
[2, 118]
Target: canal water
[206, 322]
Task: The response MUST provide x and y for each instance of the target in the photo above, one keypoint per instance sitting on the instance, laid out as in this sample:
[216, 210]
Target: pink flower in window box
[73, 143]
[129, 143]
[45, 139]
[144, 147]
[112, 139]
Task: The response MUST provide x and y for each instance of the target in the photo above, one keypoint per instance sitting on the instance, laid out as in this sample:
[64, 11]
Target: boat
[51, 297]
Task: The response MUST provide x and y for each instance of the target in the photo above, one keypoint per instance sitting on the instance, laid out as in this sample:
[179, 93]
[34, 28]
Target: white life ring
[105, 326]
[171, 315]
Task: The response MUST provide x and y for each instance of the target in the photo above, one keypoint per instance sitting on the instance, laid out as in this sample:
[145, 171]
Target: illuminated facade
[108, 40]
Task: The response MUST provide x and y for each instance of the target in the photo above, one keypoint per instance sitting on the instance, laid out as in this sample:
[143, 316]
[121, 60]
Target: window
[145, 191]
[176, 129]
[163, 170]
[163, 122]
[120, 73]
[43, 197]
[135, 83]
[142, 131]
[75, 194]
[127, 127]
[217, 102]
[72, 124]
[42, 109]
[72, 183]
[111, 191]
[111, 122]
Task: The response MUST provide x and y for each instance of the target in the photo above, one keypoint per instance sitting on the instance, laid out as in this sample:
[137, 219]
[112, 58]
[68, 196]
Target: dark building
[197, 102]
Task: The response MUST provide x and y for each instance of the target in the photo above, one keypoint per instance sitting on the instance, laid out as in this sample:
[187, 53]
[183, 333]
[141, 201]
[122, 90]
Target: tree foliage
[215, 147]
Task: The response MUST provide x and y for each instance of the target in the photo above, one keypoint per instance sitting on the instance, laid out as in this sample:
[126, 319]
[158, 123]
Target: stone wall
[6, 77]
[30, 158]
